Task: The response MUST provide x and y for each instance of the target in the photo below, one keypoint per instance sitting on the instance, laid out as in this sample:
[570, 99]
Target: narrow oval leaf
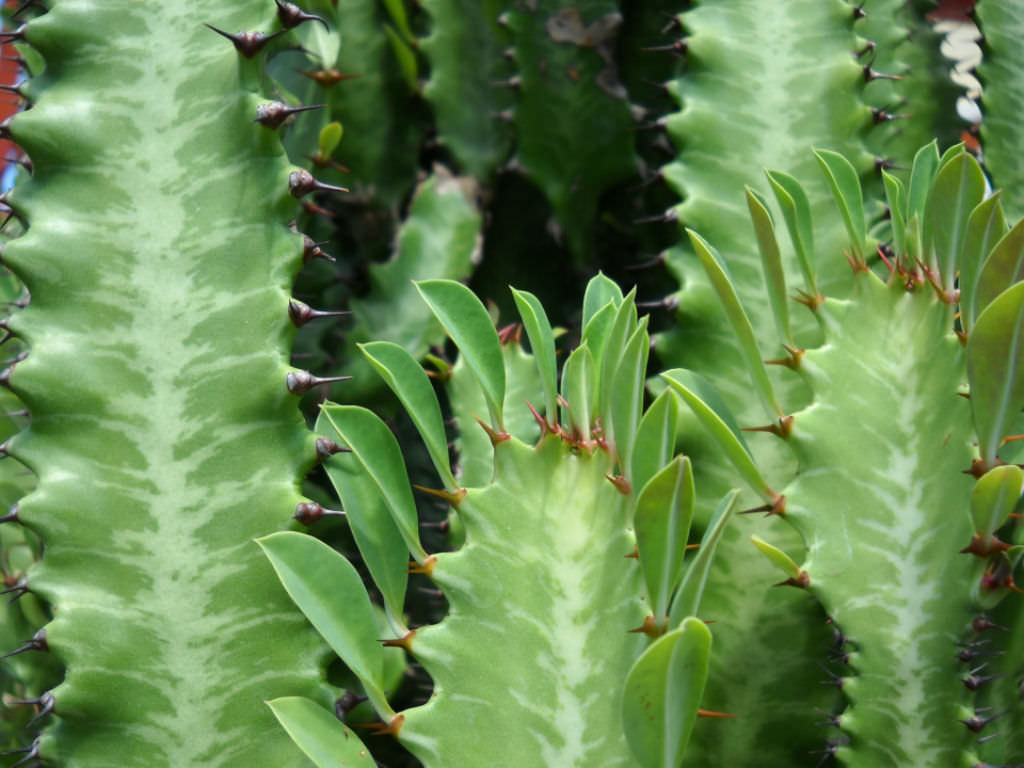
[396, 10]
[596, 331]
[330, 138]
[542, 342]
[601, 290]
[663, 693]
[958, 188]
[655, 439]
[1003, 267]
[739, 321]
[707, 406]
[845, 184]
[607, 361]
[796, 210]
[465, 319]
[664, 511]
[687, 600]
[578, 390]
[926, 164]
[320, 735]
[771, 262]
[777, 557]
[328, 590]
[994, 497]
[956, 150]
[896, 199]
[627, 402]
[376, 449]
[985, 227]
[412, 387]
[379, 541]
[995, 369]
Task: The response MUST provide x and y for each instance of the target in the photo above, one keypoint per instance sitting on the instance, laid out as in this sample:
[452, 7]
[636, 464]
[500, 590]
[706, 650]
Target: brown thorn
[802, 581]
[325, 448]
[621, 484]
[301, 183]
[513, 332]
[310, 249]
[873, 74]
[426, 569]
[651, 627]
[247, 43]
[327, 77]
[308, 512]
[495, 436]
[301, 313]
[809, 301]
[664, 218]
[273, 113]
[290, 15]
[679, 47]
[301, 382]
[711, 713]
[405, 641]
[782, 428]
[380, 729]
[985, 546]
[452, 497]
[777, 507]
[544, 426]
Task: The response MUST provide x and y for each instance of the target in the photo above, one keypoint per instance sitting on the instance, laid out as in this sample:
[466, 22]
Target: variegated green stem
[921, 105]
[881, 501]
[1002, 76]
[163, 436]
[573, 121]
[757, 95]
[466, 50]
[559, 599]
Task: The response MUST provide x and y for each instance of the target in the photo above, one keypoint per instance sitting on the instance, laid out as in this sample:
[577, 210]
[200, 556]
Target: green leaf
[578, 389]
[655, 439]
[1003, 267]
[896, 197]
[687, 600]
[953, 152]
[596, 330]
[328, 590]
[985, 228]
[626, 406]
[379, 540]
[663, 693]
[739, 321]
[407, 64]
[796, 210]
[664, 511]
[771, 261]
[600, 291]
[845, 184]
[994, 497]
[958, 188]
[607, 361]
[320, 735]
[412, 387]
[708, 407]
[777, 557]
[330, 138]
[995, 369]
[376, 449]
[322, 43]
[542, 342]
[926, 163]
[466, 320]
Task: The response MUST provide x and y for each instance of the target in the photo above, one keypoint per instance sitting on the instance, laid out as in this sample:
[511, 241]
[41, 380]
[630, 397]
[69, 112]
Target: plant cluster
[776, 521]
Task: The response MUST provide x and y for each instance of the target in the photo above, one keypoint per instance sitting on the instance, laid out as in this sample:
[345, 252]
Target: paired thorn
[311, 250]
[301, 183]
[382, 729]
[247, 43]
[290, 15]
[982, 623]
[301, 313]
[976, 723]
[427, 569]
[872, 74]
[679, 47]
[667, 217]
[794, 356]
[274, 113]
[325, 78]
[880, 116]
[777, 507]
[782, 428]
[405, 641]
[454, 498]
[621, 484]
[300, 382]
[495, 436]
[30, 752]
[44, 705]
[670, 303]
[37, 643]
[325, 448]
[308, 512]
[19, 588]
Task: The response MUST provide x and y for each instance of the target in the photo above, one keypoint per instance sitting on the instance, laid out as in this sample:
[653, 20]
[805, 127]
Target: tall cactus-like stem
[159, 262]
